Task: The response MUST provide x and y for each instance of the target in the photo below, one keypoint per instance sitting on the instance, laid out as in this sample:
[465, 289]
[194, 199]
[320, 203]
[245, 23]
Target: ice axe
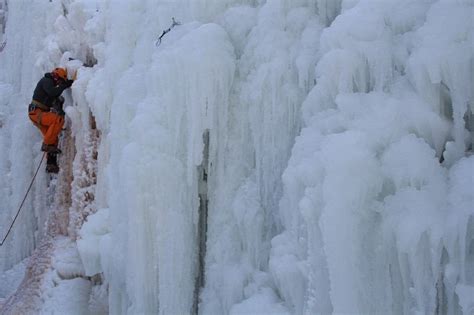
[84, 64]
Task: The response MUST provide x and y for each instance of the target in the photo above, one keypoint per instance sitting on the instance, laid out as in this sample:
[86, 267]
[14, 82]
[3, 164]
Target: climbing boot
[52, 158]
[52, 168]
[52, 163]
[50, 148]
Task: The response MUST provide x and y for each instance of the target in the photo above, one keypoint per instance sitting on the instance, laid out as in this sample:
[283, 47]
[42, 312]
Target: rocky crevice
[203, 171]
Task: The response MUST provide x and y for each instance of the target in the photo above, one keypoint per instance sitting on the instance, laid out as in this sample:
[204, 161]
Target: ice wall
[28, 24]
[33, 48]
[153, 105]
[274, 73]
[3, 22]
[337, 176]
[366, 201]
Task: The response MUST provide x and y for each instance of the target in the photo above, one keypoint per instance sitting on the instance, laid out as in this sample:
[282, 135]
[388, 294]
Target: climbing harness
[158, 42]
[21, 205]
[39, 105]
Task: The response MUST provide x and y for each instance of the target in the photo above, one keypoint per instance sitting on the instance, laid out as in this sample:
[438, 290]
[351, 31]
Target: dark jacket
[46, 92]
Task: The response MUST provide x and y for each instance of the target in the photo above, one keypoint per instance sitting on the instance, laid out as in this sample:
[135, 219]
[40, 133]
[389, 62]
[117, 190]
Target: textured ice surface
[338, 179]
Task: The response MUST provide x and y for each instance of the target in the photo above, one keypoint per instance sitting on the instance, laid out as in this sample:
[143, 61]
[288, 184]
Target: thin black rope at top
[26, 195]
[173, 24]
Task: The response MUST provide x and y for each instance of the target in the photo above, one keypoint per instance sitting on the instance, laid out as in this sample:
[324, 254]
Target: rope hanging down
[21, 205]
[158, 42]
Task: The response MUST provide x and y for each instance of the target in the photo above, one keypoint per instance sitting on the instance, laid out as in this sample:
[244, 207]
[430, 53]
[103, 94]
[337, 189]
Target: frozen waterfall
[267, 157]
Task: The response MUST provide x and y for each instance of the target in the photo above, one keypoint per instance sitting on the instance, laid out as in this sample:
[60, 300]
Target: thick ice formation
[18, 138]
[372, 198]
[284, 157]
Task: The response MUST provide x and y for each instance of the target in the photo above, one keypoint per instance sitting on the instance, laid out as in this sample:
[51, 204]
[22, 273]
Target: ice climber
[46, 112]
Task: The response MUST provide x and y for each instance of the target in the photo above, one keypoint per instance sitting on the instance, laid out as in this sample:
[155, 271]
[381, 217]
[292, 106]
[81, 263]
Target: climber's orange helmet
[60, 73]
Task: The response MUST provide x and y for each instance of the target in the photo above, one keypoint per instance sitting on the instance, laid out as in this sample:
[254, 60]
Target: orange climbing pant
[49, 123]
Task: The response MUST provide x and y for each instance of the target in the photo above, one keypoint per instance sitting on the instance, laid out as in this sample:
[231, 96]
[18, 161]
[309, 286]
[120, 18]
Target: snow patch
[89, 244]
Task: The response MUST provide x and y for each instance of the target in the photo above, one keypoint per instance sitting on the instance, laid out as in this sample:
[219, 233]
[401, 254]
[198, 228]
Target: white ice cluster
[326, 143]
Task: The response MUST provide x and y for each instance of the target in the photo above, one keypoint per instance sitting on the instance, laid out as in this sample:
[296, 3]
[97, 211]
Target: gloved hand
[60, 100]
[69, 83]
